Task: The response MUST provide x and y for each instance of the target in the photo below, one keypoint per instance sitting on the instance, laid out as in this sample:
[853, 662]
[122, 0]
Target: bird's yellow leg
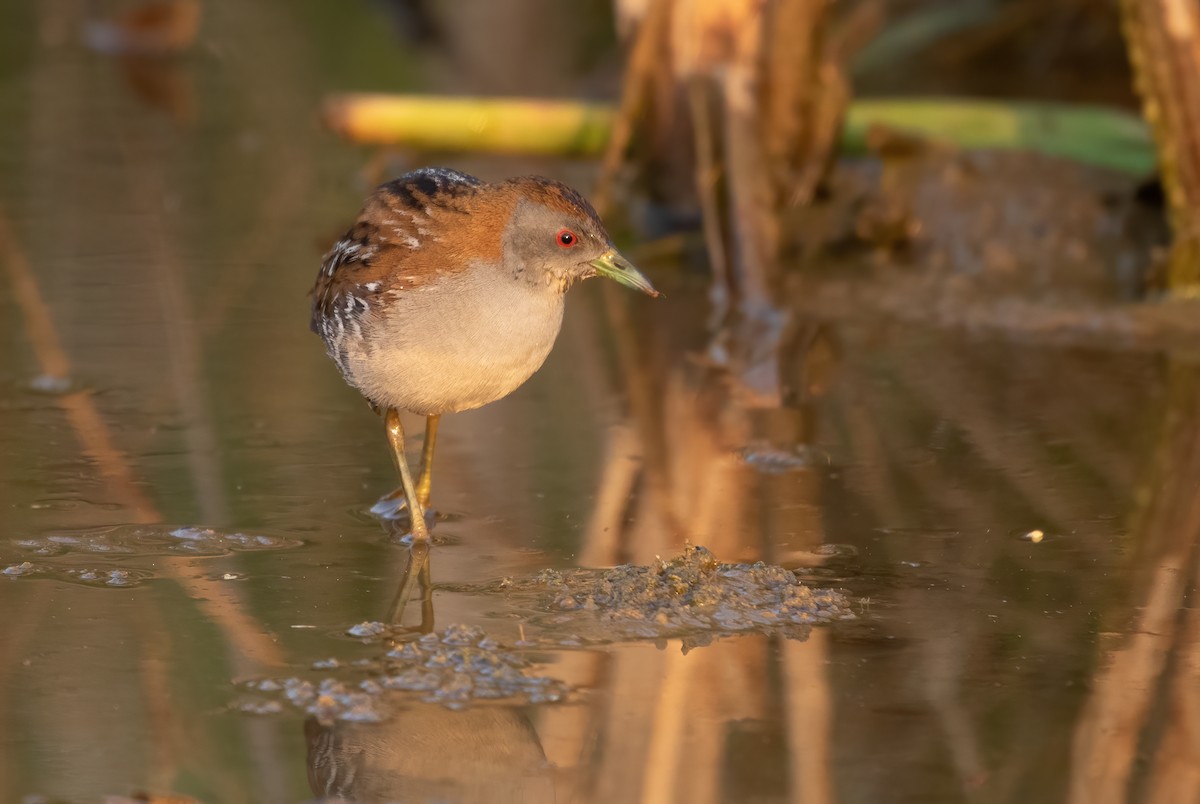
[425, 477]
[384, 506]
[395, 432]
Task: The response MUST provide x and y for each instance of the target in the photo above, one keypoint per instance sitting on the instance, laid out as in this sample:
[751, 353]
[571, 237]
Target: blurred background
[928, 338]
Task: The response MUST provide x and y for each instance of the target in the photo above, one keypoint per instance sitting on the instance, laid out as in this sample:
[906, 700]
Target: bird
[447, 293]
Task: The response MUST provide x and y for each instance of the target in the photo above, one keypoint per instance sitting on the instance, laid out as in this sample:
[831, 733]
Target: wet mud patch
[692, 596]
[999, 243]
[67, 556]
[454, 667]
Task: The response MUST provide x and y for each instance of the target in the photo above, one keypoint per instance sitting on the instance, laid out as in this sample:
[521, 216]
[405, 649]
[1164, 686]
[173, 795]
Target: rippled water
[186, 549]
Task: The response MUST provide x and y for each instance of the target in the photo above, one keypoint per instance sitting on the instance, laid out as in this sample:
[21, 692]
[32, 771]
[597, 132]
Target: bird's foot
[403, 534]
[391, 506]
[394, 505]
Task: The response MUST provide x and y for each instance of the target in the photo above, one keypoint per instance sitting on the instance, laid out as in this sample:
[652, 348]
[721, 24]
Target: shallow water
[186, 514]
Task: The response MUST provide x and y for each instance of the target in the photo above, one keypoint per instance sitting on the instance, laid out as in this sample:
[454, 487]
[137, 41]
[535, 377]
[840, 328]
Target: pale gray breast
[461, 342]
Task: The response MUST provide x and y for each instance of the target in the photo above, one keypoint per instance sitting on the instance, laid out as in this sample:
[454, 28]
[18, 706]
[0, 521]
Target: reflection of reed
[251, 644]
[148, 182]
[56, 367]
[809, 714]
[1015, 453]
[162, 715]
[1056, 453]
[13, 647]
[192, 395]
[656, 725]
[1175, 772]
[660, 729]
[1136, 739]
[63, 174]
[943, 450]
[252, 647]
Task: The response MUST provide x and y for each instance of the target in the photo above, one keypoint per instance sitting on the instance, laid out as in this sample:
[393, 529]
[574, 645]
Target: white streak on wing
[406, 239]
[346, 251]
[412, 214]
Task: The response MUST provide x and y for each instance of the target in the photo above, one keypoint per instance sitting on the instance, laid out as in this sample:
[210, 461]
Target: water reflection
[749, 717]
[157, 277]
[745, 715]
[427, 752]
[1135, 734]
[417, 580]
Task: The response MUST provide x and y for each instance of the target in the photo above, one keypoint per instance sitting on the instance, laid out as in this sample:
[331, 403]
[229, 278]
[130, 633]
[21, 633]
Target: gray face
[546, 245]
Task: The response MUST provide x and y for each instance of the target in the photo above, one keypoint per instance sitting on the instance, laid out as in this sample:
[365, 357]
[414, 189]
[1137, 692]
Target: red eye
[566, 238]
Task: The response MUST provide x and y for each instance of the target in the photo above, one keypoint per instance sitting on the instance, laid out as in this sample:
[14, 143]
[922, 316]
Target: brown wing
[394, 245]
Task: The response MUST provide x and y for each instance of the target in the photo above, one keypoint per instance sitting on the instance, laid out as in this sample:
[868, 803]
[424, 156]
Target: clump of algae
[687, 594]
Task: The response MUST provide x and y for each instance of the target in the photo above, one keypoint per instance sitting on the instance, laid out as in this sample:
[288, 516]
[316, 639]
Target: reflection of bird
[154, 28]
[143, 39]
[430, 753]
[447, 294]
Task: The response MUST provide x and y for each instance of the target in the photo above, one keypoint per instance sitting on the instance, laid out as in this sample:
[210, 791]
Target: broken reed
[1163, 38]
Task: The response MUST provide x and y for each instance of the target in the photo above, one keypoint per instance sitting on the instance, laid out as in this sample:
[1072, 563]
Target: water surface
[188, 511]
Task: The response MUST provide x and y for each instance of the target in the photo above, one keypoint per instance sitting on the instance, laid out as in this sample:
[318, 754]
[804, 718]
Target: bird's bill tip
[614, 266]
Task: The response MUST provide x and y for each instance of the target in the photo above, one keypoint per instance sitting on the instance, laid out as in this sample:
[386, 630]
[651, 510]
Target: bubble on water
[57, 552]
[367, 630]
[146, 540]
[51, 384]
[773, 460]
[258, 706]
[212, 542]
[112, 577]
